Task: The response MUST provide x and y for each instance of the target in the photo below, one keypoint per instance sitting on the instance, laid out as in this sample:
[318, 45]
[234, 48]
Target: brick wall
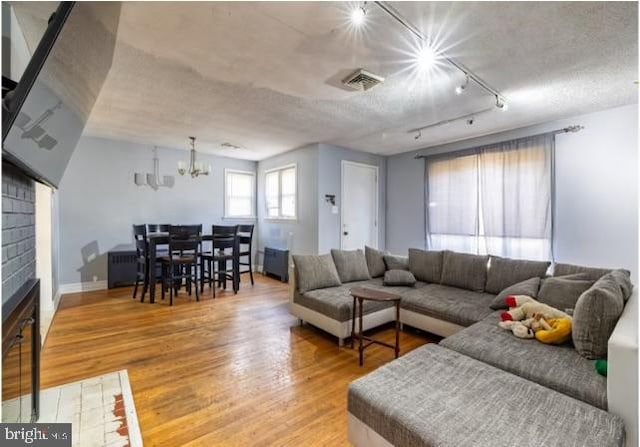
[18, 230]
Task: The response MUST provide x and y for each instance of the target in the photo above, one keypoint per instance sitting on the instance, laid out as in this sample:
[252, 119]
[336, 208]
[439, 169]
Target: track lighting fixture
[501, 103]
[418, 135]
[358, 14]
[426, 58]
[461, 88]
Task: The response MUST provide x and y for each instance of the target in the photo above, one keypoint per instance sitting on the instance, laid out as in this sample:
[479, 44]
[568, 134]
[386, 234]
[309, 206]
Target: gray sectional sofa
[480, 385]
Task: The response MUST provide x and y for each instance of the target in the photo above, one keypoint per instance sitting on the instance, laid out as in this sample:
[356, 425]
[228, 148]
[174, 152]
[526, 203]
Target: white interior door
[44, 256]
[359, 217]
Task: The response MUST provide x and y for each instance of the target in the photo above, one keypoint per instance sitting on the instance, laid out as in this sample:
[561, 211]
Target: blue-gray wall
[596, 220]
[99, 202]
[300, 235]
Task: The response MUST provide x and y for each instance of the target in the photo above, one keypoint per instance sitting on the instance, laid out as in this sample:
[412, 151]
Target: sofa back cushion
[528, 287]
[315, 272]
[562, 292]
[570, 269]
[399, 278]
[596, 314]
[396, 262]
[351, 265]
[505, 272]
[464, 270]
[375, 261]
[426, 265]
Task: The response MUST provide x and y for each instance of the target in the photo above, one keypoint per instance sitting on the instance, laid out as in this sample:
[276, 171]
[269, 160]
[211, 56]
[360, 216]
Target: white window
[280, 186]
[239, 197]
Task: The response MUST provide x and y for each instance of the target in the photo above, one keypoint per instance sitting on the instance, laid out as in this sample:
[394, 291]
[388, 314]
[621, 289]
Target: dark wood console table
[359, 295]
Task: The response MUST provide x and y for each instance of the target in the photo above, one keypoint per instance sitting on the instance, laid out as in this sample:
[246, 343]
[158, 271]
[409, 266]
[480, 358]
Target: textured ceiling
[265, 76]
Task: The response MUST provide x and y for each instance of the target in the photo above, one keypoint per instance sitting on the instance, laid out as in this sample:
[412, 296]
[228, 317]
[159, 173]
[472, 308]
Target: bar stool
[185, 240]
[245, 238]
[142, 260]
[222, 239]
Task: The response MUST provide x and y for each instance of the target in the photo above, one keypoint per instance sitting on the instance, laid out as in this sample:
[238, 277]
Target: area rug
[100, 409]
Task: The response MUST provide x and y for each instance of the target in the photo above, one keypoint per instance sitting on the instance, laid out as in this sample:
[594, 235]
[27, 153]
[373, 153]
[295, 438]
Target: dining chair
[142, 260]
[181, 264]
[245, 238]
[223, 238]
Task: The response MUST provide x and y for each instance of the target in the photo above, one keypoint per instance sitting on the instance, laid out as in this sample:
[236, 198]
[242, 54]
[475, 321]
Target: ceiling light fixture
[426, 58]
[461, 88]
[195, 168]
[501, 104]
[358, 14]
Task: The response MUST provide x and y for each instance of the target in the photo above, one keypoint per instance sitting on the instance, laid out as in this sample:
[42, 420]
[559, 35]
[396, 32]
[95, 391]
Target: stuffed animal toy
[555, 331]
[521, 329]
[522, 307]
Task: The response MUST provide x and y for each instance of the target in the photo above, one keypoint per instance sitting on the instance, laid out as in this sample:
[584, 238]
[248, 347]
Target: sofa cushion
[396, 262]
[528, 287]
[399, 278]
[560, 368]
[315, 272]
[596, 314]
[351, 265]
[459, 306]
[464, 270]
[426, 265]
[562, 292]
[337, 302]
[433, 396]
[623, 277]
[375, 261]
[505, 272]
[592, 273]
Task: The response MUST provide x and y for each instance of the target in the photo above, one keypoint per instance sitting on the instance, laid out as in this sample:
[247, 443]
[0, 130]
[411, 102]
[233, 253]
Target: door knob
[346, 233]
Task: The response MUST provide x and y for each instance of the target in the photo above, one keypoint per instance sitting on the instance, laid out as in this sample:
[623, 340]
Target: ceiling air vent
[362, 80]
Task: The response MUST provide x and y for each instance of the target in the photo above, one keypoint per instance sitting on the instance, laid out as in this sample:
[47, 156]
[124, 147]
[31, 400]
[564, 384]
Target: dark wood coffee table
[359, 295]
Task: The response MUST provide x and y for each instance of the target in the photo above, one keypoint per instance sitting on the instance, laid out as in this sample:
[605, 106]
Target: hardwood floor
[237, 370]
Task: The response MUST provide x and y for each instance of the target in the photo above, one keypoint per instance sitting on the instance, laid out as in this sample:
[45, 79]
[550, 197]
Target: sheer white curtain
[495, 199]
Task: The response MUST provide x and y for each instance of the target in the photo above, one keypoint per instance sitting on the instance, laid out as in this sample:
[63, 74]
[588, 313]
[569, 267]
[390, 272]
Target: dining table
[157, 240]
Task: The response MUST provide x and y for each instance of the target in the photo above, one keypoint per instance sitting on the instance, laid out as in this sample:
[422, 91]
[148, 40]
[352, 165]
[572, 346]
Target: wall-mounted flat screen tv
[43, 118]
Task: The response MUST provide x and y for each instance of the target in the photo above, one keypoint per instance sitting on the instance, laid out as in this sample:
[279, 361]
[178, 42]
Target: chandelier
[195, 168]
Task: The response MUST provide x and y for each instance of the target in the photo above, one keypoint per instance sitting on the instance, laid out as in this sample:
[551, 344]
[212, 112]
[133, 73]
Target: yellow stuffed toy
[549, 325]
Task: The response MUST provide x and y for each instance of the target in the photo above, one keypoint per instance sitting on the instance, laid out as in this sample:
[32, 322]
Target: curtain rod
[568, 129]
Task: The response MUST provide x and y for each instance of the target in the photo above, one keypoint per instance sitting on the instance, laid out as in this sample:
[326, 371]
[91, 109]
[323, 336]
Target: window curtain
[495, 199]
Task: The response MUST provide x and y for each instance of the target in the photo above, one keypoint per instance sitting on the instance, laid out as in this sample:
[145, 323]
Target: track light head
[418, 135]
[501, 104]
[461, 88]
[358, 15]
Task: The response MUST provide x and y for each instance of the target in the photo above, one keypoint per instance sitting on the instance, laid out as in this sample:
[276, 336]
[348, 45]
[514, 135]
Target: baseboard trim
[82, 287]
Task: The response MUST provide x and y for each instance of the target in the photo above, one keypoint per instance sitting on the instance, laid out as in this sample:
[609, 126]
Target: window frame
[226, 197]
[279, 170]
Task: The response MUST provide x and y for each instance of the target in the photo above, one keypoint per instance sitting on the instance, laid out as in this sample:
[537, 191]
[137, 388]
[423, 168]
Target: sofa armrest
[622, 369]
[292, 281]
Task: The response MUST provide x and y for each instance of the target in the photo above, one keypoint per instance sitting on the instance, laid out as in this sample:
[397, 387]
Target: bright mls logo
[35, 435]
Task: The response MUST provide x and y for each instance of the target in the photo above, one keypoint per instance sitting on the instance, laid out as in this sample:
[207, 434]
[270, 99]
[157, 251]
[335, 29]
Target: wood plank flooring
[234, 371]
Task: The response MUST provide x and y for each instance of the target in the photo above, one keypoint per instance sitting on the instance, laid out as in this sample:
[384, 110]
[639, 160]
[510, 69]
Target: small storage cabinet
[276, 263]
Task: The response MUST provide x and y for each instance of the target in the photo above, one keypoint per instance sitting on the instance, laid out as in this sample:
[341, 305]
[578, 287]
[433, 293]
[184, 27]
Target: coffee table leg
[360, 348]
[397, 328]
[353, 322]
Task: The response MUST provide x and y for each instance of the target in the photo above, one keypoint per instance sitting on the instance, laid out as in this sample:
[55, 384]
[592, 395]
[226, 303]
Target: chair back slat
[246, 234]
[158, 228]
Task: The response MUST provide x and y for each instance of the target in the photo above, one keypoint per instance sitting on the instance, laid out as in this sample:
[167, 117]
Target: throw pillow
[426, 265]
[464, 271]
[570, 269]
[396, 262]
[596, 314]
[623, 279]
[562, 292]
[375, 261]
[399, 278]
[528, 287]
[351, 265]
[505, 272]
[315, 272]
